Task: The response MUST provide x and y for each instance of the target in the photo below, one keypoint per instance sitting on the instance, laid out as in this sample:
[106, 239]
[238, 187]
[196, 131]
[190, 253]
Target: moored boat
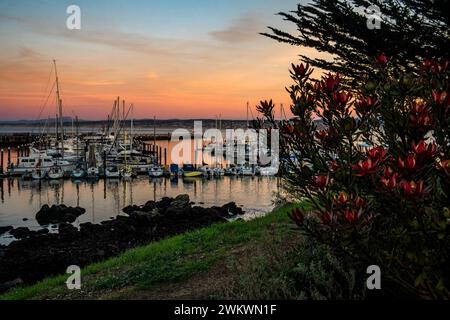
[155, 171]
[112, 172]
[55, 172]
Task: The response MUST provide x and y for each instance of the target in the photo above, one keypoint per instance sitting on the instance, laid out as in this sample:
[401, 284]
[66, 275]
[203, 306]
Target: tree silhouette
[410, 30]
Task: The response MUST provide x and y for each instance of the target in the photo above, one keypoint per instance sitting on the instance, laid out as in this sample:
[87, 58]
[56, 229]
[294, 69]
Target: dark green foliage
[411, 31]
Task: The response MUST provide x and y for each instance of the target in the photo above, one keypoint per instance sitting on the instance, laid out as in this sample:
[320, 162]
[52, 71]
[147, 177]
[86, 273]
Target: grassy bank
[197, 264]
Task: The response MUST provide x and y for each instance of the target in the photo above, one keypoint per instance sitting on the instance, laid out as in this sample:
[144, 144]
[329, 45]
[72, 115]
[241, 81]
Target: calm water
[104, 199]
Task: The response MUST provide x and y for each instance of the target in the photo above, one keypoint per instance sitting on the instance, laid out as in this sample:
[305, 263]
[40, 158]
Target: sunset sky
[172, 59]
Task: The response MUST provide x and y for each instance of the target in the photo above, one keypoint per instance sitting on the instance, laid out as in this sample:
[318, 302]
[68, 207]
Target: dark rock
[130, 209]
[58, 213]
[180, 202]
[5, 229]
[21, 232]
[233, 209]
[65, 228]
[25, 219]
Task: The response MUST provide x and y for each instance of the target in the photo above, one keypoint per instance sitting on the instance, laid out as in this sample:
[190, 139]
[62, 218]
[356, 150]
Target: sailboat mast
[247, 113]
[59, 104]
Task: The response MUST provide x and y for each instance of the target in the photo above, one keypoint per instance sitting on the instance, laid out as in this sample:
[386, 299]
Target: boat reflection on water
[103, 199]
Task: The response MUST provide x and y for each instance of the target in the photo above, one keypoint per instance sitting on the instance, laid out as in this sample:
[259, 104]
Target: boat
[112, 172]
[38, 174]
[190, 172]
[206, 171]
[92, 172]
[174, 169]
[218, 172]
[155, 171]
[267, 171]
[231, 171]
[126, 172]
[246, 171]
[78, 173]
[28, 164]
[55, 172]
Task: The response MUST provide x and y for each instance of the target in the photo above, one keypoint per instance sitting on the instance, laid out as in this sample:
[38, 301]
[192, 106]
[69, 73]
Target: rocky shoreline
[38, 254]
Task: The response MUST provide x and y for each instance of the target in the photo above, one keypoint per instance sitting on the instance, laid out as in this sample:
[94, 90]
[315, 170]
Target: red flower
[377, 153]
[366, 104]
[300, 70]
[341, 199]
[290, 129]
[419, 107]
[351, 215]
[297, 215]
[321, 181]
[341, 97]
[423, 151]
[390, 182]
[444, 166]
[365, 167]
[388, 171]
[326, 218]
[360, 203]
[381, 60]
[333, 166]
[434, 67]
[412, 188]
[441, 99]
[331, 82]
[420, 115]
[427, 65]
[409, 163]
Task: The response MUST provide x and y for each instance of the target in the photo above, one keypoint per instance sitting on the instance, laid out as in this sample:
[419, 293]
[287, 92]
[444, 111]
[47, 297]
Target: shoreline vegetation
[197, 264]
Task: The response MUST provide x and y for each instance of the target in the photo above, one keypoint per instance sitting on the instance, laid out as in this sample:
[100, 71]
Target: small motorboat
[190, 172]
[112, 172]
[155, 171]
[55, 172]
[92, 172]
[246, 171]
[231, 171]
[38, 174]
[78, 173]
[267, 171]
[206, 171]
[218, 172]
[126, 172]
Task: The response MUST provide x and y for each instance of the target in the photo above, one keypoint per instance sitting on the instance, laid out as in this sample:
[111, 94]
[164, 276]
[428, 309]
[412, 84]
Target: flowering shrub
[375, 164]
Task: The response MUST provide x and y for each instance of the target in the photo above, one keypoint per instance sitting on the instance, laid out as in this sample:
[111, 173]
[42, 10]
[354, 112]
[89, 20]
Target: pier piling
[165, 156]
[9, 156]
[160, 155]
[1, 161]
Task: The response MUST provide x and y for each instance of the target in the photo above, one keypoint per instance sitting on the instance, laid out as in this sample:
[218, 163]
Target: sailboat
[112, 172]
[92, 171]
[155, 171]
[38, 172]
[78, 173]
[55, 172]
[126, 171]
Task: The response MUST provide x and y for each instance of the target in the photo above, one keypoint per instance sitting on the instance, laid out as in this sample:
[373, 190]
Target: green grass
[167, 261]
